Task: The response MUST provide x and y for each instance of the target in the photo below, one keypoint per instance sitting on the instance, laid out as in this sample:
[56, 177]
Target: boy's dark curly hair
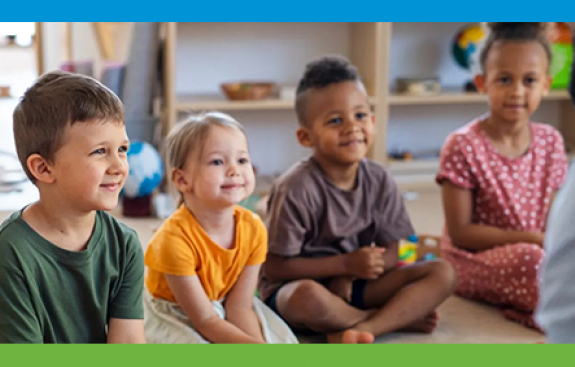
[516, 31]
[320, 74]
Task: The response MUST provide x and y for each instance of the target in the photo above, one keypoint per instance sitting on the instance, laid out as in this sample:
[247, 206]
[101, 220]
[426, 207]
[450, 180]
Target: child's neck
[64, 227]
[510, 138]
[218, 223]
[343, 176]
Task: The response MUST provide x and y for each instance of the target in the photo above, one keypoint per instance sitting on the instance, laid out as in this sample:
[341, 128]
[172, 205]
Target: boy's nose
[118, 165]
[352, 127]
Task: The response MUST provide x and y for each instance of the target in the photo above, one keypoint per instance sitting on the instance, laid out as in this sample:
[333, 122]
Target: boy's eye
[216, 162]
[99, 151]
[505, 80]
[360, 115]
[530, 80]
[335, 120]
[243, 161]
[123, 149]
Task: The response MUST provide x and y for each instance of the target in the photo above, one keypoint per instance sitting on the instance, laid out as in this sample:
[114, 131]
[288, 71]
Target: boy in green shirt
[69, 272]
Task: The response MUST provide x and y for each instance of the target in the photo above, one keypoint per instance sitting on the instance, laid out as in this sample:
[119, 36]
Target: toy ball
[146, 170]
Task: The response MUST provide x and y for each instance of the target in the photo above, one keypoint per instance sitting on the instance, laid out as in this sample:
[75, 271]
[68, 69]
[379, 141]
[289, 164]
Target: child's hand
[366, 263]
[341, 287]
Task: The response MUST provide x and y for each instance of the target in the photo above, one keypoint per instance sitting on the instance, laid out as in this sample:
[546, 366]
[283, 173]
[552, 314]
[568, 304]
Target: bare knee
[304, 302]
[445, 274]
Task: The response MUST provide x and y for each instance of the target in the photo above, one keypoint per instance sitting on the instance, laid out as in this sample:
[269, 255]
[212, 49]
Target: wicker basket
[247, 91]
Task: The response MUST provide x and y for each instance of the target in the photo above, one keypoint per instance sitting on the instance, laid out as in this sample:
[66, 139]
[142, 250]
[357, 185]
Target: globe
[146, 170]
[466, 44]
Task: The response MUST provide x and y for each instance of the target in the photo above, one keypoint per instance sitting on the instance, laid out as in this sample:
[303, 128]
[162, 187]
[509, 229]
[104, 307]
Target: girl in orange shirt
[204, 261]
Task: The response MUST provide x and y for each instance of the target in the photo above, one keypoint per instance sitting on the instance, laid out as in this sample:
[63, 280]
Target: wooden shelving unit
[370, 48]
[215, 102]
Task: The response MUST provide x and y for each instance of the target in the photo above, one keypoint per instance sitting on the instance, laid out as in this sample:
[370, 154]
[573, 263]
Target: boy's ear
[180, 181]
[40, 168]
[304, 137]
[479, 81]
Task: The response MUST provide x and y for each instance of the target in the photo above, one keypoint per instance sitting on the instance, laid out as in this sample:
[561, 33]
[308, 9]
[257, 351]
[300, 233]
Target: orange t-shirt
[181, 247]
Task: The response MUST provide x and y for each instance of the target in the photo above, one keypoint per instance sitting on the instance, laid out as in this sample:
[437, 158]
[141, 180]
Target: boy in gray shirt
[335, 221]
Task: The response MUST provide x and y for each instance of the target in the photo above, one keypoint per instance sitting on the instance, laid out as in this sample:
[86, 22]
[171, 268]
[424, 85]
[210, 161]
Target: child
[556, 308]
[69, 272]
[203, 263]
[499, 175]
[335, 220]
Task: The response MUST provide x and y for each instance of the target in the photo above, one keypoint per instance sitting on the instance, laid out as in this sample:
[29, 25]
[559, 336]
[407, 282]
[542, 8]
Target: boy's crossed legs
[403, 298]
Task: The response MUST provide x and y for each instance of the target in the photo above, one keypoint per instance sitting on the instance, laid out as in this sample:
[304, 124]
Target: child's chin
[108, 206]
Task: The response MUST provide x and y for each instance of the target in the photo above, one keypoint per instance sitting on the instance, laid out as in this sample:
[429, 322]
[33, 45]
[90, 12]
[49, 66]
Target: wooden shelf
[216, 102]
[458, 98]
[191, 102]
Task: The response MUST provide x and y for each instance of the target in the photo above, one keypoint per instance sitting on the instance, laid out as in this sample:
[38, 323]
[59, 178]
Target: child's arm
[458, 206]
[239, 303]
[391, 255]
[364, 263]
[192, 298]
[124, 331]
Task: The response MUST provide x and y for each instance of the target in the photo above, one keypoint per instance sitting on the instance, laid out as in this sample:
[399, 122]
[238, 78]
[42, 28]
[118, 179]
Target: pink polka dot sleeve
[454, 165]
[559, 171]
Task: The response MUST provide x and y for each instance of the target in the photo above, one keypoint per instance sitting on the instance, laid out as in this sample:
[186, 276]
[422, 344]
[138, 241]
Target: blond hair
[188, 138]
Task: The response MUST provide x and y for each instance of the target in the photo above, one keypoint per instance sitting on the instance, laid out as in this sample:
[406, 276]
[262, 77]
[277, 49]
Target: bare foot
[350, 337]
[425, 325]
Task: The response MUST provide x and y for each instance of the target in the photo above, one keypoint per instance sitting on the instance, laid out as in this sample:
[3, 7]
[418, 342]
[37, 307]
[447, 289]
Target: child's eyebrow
[106, 142]
[223, 153]
[333, 112]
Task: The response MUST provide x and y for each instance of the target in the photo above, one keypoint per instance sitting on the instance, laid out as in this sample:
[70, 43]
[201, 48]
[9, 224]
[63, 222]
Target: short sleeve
[454, 165]
[559, 170]
[260, 244]
[169, 253]
[287, 222]
[128, 302]
[18, 321]
[394, 218]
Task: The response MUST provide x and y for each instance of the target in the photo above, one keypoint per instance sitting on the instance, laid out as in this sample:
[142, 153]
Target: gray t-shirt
[51, 295]
[308, 216]
[556, 309]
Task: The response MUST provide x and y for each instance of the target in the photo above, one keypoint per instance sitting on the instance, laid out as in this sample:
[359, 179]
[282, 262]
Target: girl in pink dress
[499, 175]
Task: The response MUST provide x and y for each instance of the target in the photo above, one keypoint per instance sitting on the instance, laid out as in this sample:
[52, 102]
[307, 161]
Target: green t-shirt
[51, 295]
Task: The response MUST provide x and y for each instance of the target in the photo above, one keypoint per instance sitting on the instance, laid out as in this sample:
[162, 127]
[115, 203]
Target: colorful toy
[408, 251]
